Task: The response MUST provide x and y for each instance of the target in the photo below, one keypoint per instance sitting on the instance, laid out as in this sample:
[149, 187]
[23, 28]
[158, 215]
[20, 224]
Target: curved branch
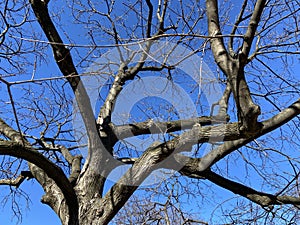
[225, 132]
[39, 165]
[65, 63]
[116, 197]
[261, 198]
[217, 44]
[201, 164]
[29, 154]
[143, 166]
[124, 74]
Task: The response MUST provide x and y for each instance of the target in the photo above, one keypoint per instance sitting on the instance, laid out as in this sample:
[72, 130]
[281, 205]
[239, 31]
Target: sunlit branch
[65, 63]
[130, 181]
[217, 43]
[124, 74]
[227, 147]
[17, 181]
[223, 104]
[252, 27]
[29, 154]
[152, 127]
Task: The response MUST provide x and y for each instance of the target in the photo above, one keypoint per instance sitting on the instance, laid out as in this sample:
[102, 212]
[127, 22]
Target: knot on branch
[249, 124]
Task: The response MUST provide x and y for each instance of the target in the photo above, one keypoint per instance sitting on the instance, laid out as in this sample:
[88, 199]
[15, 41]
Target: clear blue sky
[38, 212]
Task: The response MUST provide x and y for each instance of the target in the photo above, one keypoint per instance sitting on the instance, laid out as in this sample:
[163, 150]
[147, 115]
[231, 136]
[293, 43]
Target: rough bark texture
[233, 67]
[79, 199]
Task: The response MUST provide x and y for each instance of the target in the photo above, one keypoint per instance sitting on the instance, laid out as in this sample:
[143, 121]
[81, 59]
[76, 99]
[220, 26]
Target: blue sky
[42, 214]
[36, 214]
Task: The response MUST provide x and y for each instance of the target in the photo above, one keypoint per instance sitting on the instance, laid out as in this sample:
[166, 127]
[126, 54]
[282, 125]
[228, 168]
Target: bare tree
[245, 140]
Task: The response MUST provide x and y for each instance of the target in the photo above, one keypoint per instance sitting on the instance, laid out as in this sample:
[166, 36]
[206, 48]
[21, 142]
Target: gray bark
[78, 199]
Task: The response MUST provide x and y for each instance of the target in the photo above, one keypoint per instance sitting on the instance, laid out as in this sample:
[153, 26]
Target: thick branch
[143, 166]
[152, 127]
[217, 44]
[247, 110]
[41, 168]
[65, 63]
[233, 68]
[75, 163]
[29, 154]
[124, 74]
[199, 167]
[201, 164]
[149, 20]
[10, 133]
[98, 155]
[61, 53]
[261, 198]
[141, 169]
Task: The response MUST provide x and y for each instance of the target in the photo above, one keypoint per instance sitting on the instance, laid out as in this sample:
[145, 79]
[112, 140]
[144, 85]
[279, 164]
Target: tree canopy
[147, 111]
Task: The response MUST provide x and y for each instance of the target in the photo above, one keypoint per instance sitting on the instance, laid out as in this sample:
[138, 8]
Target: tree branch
[75, 163]
[234, 28]
[152, 127]
[65, 63]
[130, 181]
[93, 182]
[29, 154]
[18, 181]
[201, 164]
[39, 165]
[223, 103]
[218, 48]
[233, 68]
[143, 166]
[252, 27]
[261, 198]
[149, 20]
[124, 74]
